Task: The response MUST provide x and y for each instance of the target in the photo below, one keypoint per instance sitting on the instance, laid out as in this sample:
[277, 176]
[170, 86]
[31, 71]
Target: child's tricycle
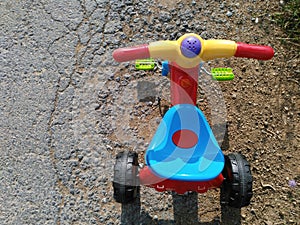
[184, 155]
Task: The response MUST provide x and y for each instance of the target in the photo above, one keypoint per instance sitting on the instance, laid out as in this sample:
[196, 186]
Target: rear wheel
[125, 182]
[236, 190]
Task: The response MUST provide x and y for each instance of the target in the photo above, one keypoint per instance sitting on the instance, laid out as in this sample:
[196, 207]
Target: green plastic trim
[145, 64]
[222, 74]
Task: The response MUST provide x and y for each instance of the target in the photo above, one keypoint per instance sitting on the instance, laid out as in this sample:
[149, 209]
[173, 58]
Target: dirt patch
[263, 113]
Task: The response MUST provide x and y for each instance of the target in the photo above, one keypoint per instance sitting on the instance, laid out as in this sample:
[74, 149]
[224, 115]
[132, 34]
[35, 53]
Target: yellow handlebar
[213, 49]
[210, 49]
[190, 49]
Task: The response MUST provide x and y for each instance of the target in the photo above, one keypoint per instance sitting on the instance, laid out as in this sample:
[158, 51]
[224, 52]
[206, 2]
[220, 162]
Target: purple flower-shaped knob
[190, 47]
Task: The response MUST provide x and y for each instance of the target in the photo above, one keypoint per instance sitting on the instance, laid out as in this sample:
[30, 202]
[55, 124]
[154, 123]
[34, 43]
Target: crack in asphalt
[52, 152]
[77, 68]
[106, 20]
[63, 190]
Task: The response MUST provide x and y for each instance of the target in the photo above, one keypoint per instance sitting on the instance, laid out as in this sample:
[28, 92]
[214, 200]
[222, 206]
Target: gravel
[67, 108]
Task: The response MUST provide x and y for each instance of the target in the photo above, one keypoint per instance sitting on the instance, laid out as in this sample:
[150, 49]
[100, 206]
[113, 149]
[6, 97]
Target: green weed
[289, 20]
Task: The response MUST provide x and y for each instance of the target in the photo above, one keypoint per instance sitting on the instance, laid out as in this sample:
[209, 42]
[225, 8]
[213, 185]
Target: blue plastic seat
[198, 160]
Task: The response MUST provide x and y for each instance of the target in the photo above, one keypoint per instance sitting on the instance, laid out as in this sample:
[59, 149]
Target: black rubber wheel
[236, 190]
[125, 182]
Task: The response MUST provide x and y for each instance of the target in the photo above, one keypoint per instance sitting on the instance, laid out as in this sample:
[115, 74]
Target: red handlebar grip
[131, 53]
[254, 51]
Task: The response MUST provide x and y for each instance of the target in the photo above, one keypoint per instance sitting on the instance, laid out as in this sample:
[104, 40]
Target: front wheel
[125, 182]
[236, 190]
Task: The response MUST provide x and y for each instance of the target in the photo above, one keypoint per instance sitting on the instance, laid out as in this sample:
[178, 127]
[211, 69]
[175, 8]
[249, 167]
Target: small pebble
[229, 14]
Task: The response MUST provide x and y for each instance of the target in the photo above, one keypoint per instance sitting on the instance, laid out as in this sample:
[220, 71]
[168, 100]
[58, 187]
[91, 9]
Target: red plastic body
[148, 178]
[185, 138]
[132, 53]
[254, 51]
[184, 84]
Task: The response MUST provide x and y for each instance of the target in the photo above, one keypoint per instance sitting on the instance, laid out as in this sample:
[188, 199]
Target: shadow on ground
[185, 209]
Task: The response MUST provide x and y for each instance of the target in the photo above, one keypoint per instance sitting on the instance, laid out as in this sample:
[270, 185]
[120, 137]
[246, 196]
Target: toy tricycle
[184, 155]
